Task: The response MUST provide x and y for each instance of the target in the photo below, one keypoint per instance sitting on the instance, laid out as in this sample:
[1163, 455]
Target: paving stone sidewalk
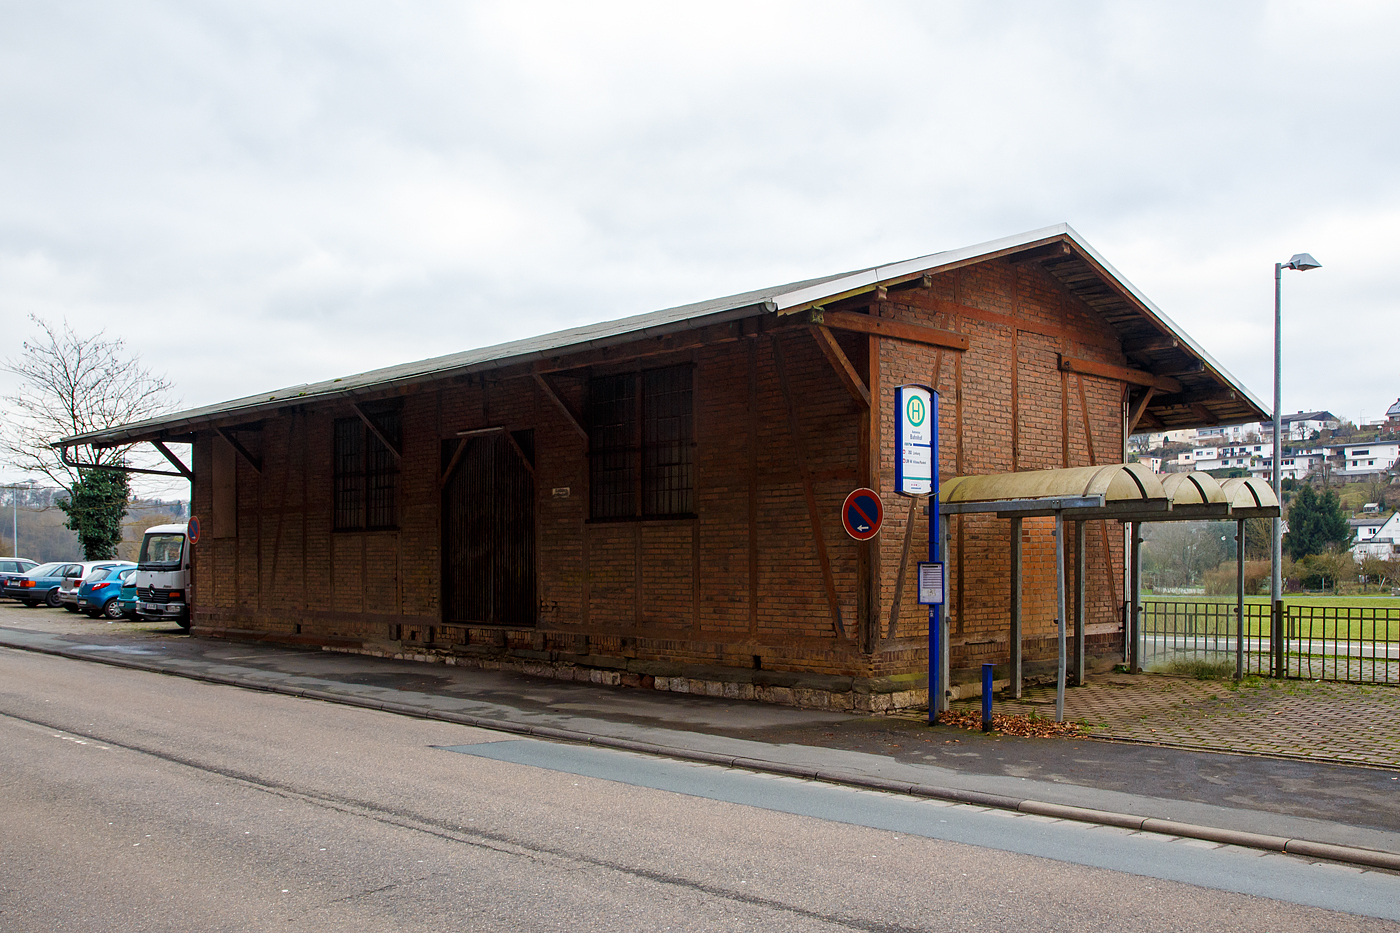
[1295, 719]
[1311, 720]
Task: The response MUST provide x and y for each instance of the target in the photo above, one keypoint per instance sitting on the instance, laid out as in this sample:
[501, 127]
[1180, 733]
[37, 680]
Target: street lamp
[1302, 262]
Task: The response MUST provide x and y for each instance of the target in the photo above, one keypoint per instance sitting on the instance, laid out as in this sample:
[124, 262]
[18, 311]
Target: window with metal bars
[366, 473]
[641, 444]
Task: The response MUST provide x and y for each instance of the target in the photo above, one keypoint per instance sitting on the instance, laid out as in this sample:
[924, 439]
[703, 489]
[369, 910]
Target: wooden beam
[452, 464]
[1151, 420]
[1121, 373]
[1191, 368]
[885, 327]
[1204, 414]
[1151, 344]
[1060, 250]
[898, 601]
[174, 461]
[252, 461]
[1135, 415]
[1198, 397]
[374, 429]
[828, 580]
[575, 421]
[842, 364]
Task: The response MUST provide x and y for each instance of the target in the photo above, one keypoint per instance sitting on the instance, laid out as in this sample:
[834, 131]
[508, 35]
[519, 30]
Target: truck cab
[163, 575]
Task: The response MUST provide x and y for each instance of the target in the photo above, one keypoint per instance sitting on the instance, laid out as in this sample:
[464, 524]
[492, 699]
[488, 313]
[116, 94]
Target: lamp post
[1302, 262]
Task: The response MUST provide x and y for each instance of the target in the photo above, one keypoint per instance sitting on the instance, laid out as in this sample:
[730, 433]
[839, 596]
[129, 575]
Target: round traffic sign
[194, 529]
[862, 513]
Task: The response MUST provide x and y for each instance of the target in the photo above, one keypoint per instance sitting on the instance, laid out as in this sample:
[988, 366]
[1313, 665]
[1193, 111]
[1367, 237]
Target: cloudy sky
[259, 194]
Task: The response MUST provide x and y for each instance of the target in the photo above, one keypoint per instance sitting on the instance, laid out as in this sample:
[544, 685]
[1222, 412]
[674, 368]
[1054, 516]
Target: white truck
[163, 575]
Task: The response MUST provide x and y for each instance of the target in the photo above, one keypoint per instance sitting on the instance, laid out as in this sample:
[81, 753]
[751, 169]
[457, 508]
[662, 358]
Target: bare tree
[70, 385]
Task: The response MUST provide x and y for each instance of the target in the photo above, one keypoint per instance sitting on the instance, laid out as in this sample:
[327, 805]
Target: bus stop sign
[862, 513]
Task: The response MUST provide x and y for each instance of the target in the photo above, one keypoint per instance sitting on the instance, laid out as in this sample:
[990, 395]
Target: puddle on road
[119, 649]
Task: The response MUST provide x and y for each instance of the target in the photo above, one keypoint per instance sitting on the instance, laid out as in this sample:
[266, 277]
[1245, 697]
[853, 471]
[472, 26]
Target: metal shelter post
[1079, 613]
[943, 673]
[1239, 599]
[1135, 600]
[1015, 638]
[1060, 613]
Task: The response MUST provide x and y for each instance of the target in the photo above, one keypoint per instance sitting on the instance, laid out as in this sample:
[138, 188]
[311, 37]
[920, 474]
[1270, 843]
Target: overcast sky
[259, 194]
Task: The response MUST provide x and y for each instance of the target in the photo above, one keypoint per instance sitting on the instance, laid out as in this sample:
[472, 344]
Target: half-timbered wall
[762, 574]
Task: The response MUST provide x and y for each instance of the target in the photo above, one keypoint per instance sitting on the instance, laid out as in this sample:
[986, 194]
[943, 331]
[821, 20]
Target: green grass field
[1350, 601]
[1343, 618]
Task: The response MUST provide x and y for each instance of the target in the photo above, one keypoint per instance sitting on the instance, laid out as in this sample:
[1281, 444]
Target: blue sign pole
[936, 687]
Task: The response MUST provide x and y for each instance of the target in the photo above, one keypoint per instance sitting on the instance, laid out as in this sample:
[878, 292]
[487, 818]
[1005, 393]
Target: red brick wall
[683, 589]
[996, 417]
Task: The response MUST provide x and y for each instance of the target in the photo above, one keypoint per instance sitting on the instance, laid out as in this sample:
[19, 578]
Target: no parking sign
[862, 513]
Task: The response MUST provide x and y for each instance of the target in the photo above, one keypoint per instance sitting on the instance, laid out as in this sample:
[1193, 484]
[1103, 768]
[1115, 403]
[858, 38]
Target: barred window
[641, 444]
[365, 472]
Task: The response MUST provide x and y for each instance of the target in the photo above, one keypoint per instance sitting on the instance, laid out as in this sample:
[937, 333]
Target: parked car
[130, 602]
[39, 585]
[16, 565]
[74, 576]
[101, 590]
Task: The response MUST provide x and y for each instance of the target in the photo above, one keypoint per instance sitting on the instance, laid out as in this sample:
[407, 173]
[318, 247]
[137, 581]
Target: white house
[1291, 466]
[1154, 439]
[1232, 433]
[1301, 425]
[1383, 542]
[1358, 459]
[1365, 528]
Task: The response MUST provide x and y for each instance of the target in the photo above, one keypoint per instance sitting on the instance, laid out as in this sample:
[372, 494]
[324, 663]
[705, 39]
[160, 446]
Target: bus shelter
[1130, 493]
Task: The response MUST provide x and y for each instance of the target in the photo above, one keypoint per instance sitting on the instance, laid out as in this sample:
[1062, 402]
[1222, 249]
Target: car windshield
[46, 570]
[162, 549]
[98, 573]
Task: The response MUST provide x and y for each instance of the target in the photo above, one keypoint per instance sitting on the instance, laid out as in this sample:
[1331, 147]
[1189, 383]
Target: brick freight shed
[655, 500]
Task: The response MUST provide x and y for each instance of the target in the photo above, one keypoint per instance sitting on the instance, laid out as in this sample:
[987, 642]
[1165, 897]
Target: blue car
[41, 584]
[101, 590]
[128, 598]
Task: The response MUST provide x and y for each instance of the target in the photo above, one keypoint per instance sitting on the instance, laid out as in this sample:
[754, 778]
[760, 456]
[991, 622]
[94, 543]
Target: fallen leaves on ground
[1031, 727]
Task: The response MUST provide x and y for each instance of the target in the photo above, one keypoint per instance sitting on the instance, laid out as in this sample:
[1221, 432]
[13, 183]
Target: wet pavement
[1265, 758]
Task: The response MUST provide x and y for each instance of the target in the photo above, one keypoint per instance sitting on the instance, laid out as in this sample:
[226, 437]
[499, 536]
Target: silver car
[73, 579]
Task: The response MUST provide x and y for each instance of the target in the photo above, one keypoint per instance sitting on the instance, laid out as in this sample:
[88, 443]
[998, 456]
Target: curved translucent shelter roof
[1098, 489]
[1250, 498]
[1121, 491]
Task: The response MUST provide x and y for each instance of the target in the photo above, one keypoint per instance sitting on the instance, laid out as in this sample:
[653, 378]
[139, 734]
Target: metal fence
[1354, 644]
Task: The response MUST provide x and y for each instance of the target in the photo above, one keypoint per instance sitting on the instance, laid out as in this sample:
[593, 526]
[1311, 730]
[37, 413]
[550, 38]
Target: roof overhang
[1176, 383]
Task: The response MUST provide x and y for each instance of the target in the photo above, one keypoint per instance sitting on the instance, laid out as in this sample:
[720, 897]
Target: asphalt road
[137, 801]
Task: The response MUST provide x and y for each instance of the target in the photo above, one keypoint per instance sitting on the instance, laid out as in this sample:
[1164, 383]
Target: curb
[1353, 855]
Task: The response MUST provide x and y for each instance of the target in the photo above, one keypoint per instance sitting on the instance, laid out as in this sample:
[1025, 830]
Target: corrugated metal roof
[1132, 307]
